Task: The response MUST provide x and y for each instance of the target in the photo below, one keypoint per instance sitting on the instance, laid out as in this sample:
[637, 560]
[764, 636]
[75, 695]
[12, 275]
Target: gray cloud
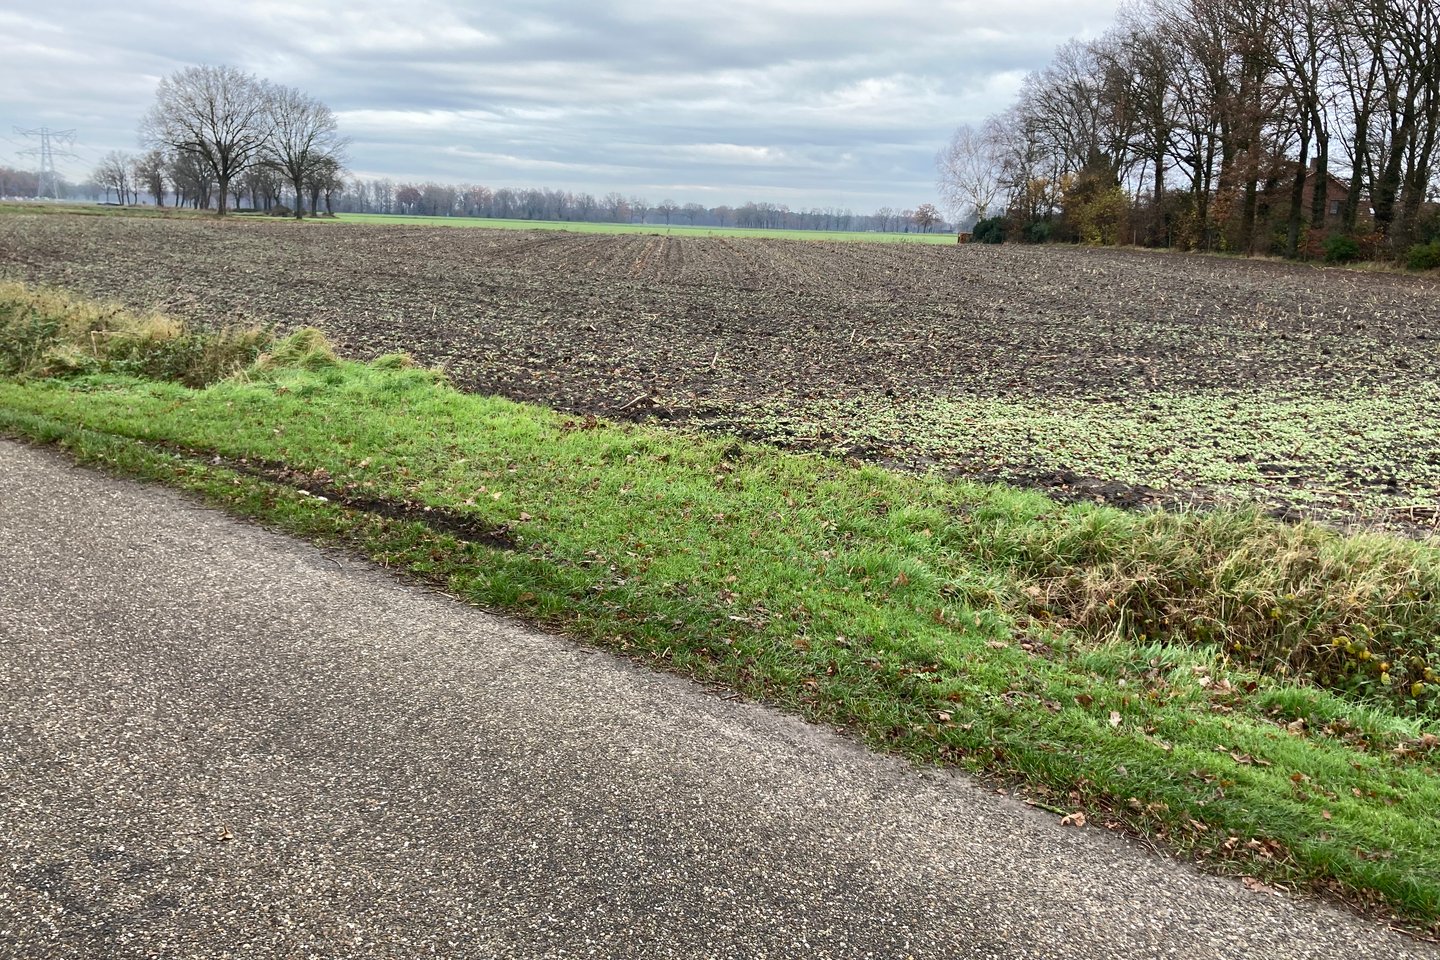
[807, 102]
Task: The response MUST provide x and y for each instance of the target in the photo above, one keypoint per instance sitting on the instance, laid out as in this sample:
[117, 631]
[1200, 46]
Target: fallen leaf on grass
[1076, 819]
[1115, 718]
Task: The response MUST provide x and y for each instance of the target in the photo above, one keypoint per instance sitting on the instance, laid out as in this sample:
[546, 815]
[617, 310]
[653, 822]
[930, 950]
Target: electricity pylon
[52, 144]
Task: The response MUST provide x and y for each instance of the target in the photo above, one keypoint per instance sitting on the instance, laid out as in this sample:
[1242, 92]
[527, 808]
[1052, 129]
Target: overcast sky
[806, 102]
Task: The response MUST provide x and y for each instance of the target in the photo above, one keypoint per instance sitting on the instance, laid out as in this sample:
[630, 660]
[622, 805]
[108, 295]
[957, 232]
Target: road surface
[216, 741]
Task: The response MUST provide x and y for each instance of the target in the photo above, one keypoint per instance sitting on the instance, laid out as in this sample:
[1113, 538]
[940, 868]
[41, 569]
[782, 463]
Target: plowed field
[1114, 375]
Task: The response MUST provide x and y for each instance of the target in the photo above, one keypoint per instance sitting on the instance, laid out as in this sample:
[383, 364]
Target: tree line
[216, 135]
[1287, 126]
[431, 199]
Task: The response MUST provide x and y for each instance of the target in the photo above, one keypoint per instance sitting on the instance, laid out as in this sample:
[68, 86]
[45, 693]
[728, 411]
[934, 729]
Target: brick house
[1277, 202]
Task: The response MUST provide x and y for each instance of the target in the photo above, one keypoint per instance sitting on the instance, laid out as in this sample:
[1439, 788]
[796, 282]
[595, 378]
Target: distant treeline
[1302, 127]
[533, 203]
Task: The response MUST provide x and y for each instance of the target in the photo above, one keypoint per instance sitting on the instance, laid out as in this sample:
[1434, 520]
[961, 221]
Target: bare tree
[1409, 31]
[192, 182]
[149, 172]
[926, 216]
[113, 173]
[217, 115]
[1305, 58]
[666, 208]
[303, 138]
[326, 177]
[969, 174]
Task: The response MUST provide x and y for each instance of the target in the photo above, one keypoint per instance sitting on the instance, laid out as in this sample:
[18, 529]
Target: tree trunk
[1320, 197]
[1415, 184]
[1387, 187]
[1297, 197]
[1248, 212]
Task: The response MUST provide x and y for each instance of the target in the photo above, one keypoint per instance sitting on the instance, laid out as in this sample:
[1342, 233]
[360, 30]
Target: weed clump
[47, 334]
[305, 349]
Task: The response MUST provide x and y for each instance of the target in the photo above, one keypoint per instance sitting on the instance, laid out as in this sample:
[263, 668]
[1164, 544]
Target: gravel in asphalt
[216, 741]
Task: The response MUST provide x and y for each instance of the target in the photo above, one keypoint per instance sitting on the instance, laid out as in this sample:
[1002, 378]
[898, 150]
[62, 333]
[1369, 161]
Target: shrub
[1424, 256]
[989, 230]
[1038, 231]
[1427, 225]
[1341, 249]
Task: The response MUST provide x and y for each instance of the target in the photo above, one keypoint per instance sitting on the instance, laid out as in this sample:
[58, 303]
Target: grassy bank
[1254, 694]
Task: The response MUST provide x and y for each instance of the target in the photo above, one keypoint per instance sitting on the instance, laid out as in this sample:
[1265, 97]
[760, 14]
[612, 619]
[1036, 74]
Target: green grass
[1196, 678]
[486, 223]
[676, 230]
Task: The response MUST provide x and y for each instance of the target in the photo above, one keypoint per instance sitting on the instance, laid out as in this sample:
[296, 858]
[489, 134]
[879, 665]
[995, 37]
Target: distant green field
[646, 228]
[80, 209]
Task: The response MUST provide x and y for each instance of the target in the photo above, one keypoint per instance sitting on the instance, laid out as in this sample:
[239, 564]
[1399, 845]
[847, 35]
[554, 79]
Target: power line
[53, 143]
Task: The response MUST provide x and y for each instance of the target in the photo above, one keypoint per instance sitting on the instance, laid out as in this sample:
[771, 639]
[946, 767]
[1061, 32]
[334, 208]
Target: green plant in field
[1334, 452]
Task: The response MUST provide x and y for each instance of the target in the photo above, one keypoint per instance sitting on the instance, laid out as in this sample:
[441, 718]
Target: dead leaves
[1256, 886]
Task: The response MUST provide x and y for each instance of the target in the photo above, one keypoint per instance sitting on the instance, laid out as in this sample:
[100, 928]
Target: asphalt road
[220, 742]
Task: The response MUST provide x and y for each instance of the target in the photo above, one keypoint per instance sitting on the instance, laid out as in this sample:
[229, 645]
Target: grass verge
[1211, 681]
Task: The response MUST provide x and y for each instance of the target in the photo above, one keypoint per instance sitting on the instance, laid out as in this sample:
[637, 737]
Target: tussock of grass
[47, 333]
[1128, 664]
[305, 349]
